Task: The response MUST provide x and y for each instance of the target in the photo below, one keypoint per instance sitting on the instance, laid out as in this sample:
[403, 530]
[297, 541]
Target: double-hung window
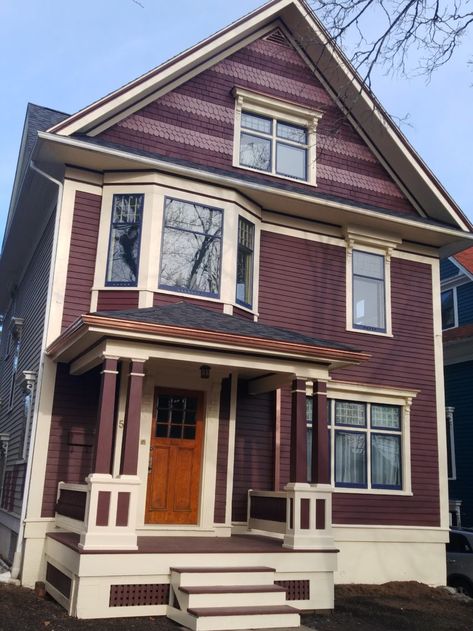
[274, 136]
[245, 257]
[272, 145]
[449, 308]
[125, 238]
[366, 444]
[369, 291]
[191, 250]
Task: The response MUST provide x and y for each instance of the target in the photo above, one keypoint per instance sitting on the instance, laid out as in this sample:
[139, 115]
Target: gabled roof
[465, 259]
[327, 61]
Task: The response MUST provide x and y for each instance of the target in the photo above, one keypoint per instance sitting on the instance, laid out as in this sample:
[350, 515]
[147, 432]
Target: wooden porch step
[204, 612]
[209, 570]
[232, 589]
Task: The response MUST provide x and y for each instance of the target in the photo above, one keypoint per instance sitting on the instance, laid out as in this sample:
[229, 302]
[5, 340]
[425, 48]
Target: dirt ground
[390, 607]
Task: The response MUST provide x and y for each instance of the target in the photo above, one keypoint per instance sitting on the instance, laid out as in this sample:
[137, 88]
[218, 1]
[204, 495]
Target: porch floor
[197, 545]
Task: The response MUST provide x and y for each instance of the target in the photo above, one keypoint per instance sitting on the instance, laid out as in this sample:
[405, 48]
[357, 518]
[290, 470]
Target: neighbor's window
[125, 237]
[369, 296]
[275, 146]
[448, 309]
[244, 280]
[366, 444]
[191, 248]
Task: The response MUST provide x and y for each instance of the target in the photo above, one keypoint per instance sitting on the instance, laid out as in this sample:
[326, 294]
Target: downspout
[18, 557]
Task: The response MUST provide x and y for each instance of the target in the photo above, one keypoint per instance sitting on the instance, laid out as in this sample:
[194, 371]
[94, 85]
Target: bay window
[191, 248]
[245, 255]
[124, 242]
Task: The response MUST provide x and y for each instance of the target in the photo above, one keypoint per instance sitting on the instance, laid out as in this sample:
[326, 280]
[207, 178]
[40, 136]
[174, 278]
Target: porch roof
[185, 324]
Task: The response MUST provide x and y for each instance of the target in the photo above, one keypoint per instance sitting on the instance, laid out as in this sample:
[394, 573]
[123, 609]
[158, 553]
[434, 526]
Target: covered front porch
[163, 478]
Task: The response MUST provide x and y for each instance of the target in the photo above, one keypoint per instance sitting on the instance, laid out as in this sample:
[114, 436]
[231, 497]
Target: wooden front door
[175, 457]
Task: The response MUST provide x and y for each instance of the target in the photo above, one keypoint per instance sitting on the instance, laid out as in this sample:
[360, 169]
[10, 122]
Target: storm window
[191, 249]
[125, 237]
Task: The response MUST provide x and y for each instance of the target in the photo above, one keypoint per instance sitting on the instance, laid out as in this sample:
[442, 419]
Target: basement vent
[58, 580]
[295, 590]
[278, 37]
[139, 595]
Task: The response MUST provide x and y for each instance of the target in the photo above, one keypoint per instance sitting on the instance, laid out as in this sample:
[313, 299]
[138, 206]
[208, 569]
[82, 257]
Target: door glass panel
[189, 431]
[161, 431]
[176, 417]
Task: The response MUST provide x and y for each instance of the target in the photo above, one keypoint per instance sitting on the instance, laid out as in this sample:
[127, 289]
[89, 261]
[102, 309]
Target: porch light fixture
[204, 371]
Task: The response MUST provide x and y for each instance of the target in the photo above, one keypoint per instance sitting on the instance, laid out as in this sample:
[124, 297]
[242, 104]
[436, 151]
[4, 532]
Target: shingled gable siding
[302, 285]
[254, 447]
[83, 251]
[72, 425]
[222, 453]
[195, 123]
[30, 304]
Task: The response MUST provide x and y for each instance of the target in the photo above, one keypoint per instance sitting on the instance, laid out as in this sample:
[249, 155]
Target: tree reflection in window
[191, 248]
[125, 237]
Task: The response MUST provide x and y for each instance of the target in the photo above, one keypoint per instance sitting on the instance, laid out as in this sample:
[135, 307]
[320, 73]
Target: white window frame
[281, 111]
[369, 244]
[452, 285]
[156, 189]
[374, 395]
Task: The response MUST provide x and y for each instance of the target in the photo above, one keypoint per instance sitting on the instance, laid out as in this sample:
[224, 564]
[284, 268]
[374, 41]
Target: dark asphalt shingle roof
[186, 315]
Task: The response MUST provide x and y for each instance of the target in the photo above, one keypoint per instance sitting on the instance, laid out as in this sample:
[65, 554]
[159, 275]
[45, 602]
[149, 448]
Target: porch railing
[302, 513]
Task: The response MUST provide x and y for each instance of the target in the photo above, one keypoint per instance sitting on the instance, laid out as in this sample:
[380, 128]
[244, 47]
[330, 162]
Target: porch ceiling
[186, 332]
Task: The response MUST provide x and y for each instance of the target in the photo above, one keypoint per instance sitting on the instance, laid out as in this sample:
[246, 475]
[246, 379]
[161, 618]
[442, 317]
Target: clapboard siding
[448, 269]
[29, 303]
[72, 412]
[82, 255]
[222, 453]
[459, 394]
[302, 286]
[195, 123]
[161, 300]
[465, 304]
[254, 448]
[115, 300]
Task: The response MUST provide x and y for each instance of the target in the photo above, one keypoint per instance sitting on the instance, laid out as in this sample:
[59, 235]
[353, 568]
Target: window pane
[385, 461]
[371, 265]
[258, 123]
[350, 413]
[386, 416]
[244, 281]
[291, 161]
[448, 309]
[255, 152]
[191, 249]
[368, 303]
[350, 459]
[125, 234]
[292, 132]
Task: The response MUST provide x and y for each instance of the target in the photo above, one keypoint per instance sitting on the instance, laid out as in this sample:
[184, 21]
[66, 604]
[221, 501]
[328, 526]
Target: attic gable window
[125, 238]
[274, 137]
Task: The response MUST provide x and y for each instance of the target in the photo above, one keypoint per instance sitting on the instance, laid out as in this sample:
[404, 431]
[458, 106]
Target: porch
[237, 573]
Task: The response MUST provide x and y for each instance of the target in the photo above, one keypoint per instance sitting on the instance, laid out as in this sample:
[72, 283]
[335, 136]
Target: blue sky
[65, 55]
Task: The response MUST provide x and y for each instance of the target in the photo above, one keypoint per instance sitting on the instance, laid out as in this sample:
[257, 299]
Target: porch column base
[110, 516]
[309, 517]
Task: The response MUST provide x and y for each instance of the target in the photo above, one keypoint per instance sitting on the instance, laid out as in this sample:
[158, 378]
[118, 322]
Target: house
[456, 274]
[222, 383]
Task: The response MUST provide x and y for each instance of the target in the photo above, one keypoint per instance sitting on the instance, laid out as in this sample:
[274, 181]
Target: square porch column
[102, 460]
[131, 432]
[320, 470]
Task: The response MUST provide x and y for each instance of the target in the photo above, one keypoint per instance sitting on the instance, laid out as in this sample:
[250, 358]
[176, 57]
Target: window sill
[340, 489]
[367, 332]
[310, 182]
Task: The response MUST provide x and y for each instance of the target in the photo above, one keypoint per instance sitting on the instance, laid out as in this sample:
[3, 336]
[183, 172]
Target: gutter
[18, 557]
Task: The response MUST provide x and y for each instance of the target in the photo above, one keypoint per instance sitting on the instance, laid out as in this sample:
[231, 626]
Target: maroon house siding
[83, 251]
[160, 300]
[115, 300]
[222, 453]
[302, 286]
[254, 447]
[72, 425]
[195, 123]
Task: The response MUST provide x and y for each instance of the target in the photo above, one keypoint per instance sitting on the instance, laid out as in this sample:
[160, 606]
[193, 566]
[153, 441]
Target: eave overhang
[91, 329]
[53, 152]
